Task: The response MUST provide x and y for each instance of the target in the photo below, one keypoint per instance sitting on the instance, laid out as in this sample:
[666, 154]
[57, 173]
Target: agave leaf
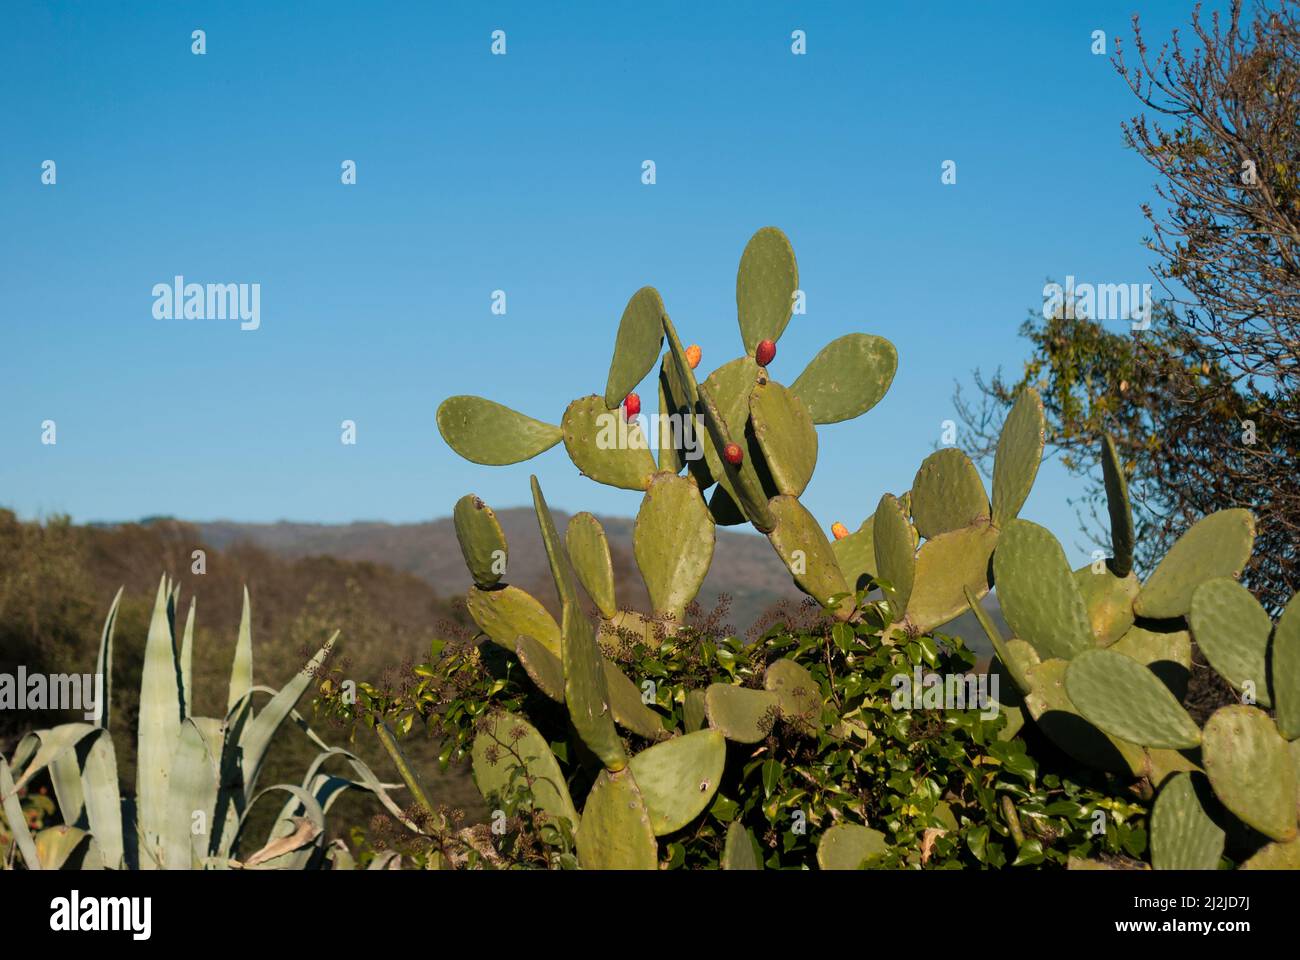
[13, 809]
[192, 789]
[104, 665]
[161, 712]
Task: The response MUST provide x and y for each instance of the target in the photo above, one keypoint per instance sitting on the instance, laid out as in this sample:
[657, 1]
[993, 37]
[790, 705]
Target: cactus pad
[765, 286]
[508, 752]
[485, 432]
[1058, 718]
[1037, 591]
[605, 447]
[543, 667]
[785, 435]
[850, 846]
[1108, 600]
[946, 568]
[1216, 546]
[1232, 630]
[947, 493]
[636, 347]
[1275, 856]
[797, 693]
[743, 715]
[847, 378]
[481, 541]
[1286, 670]
[1126, 700]
[507, 613]
[1020, 450]
[627, 708]
[615, 832]
[589, 554]
[741, 482]
[1122, 534]
[673, 543]
[694, 716]
[895, 551]
[1166, 653]
[856, 555]
[738, 853]
[1183, 835]
[807, 554]
[1251, 770]
[679, 777]
[586, 690]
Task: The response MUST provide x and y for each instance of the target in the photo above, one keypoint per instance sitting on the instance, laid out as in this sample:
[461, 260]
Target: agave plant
[196, 777]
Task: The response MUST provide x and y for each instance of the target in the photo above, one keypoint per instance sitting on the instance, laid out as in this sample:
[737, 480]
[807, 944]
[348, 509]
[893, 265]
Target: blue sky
[478, 172]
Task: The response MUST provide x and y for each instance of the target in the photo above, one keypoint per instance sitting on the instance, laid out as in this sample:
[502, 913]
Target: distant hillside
[745, 567]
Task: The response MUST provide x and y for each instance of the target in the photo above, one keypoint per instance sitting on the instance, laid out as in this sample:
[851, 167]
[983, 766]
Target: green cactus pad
[589, 553]
[856, 555]
[1286, 670]
[1050, 705]
[1216, 546]
[679, 777]
[797, 693]
[677, 369]
[586, 690]
[1251, 770]
[947, 494]
[615, 833]
[543, 667]
[743, 715]
[1183, 835]
[895, 551]
[606, 447]
[1126, 700]
[1020, 450]
[738, 853]
[729, 387]
[1122, 534]
[508, 752]
[946, 568]
[850, 846]
[673, 543]
[1108, 600]
[1015, 655]
[785, 434]
[1232, 630]
[724, 510]
[694, 716]
[481, 541]
[741, 483]
[847, 378]
[625, 625]
[506, 613]
[625, 703]
[636, 348]
[765, 286]
[672, 456]
[1275, 856]
[566, 581]
[800, 543]
[1037, 591]
[1166, 653]
[485, 432]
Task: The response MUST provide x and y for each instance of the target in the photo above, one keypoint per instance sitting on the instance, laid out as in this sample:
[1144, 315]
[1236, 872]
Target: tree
[1205, 404]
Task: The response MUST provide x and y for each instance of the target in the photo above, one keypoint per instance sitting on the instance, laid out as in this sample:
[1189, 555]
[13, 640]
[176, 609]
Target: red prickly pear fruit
[693, 354]
[765, 352]
[839, 530]
[733, 453]
[632, 406]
